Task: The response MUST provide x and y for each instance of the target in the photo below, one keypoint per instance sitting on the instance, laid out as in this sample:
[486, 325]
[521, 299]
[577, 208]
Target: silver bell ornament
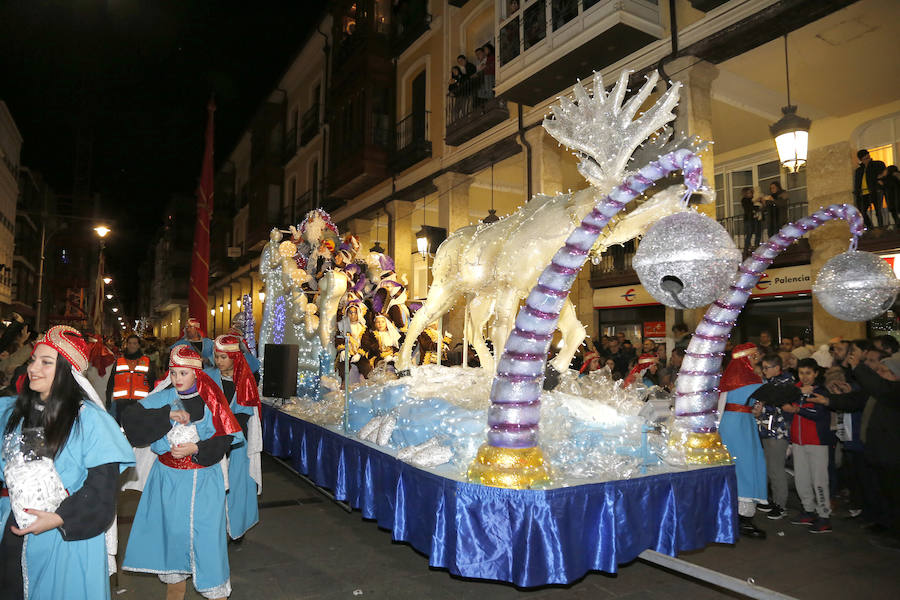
[856, 286]
[685, 260]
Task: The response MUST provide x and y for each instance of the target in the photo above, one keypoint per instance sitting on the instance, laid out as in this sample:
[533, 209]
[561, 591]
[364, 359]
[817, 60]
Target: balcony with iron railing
[472, 109]
[359, 155]
[290, 145]
[309, 124]
[412, 141]
[614, 267]
[544, 42]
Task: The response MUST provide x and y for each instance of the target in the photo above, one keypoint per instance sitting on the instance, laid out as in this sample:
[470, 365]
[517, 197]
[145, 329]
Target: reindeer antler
[603, 131]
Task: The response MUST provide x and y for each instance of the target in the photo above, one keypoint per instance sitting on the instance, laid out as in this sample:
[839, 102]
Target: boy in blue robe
[244, 466]
[179, 527]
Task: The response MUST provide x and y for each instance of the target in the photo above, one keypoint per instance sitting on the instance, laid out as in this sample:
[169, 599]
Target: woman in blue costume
[63, 554]
[742, 394]
[244, 468]
[179, 527]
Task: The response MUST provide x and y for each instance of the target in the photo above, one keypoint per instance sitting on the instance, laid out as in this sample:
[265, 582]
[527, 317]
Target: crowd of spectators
[841, 438]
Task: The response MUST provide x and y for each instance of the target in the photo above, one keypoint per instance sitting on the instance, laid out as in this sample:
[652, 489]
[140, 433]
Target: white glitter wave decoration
[492, 267]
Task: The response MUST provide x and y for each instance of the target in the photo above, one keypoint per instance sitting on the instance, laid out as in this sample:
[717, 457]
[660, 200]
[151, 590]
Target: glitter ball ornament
[856, 286]
[686, 260]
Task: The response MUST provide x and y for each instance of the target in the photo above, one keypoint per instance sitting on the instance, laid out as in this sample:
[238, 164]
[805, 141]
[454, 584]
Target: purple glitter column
[516, 390]
[696, 392]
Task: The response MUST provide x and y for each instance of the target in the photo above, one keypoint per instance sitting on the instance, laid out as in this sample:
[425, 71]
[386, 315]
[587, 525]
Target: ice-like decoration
[492, 267]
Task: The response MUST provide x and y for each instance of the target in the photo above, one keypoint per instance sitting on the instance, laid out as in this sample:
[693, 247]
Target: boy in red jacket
[810, 431]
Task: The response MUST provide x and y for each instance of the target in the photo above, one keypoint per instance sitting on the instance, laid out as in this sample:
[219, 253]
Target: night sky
[137, 75]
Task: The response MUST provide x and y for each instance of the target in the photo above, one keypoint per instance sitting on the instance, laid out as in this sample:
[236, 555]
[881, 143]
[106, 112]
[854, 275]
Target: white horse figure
[493, 266]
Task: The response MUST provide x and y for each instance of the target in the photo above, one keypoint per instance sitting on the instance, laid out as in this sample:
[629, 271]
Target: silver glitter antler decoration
[603, 131]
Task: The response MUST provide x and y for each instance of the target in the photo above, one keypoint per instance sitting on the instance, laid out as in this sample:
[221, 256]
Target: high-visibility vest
[131, 383]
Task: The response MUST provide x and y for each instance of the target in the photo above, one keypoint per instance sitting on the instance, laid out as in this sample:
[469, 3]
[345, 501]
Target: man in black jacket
[867, 188]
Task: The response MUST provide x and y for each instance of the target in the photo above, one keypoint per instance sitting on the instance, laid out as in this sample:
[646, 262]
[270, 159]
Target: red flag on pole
[99, 290]
[200, 257]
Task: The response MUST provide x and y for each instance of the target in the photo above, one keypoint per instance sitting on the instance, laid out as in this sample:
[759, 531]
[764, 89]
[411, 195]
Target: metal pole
[40, 286]
[346, 420]
[440, 340]
[746, 588]
[465, 353]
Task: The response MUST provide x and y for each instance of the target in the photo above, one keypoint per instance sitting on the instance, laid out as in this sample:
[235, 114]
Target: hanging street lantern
[791, 131]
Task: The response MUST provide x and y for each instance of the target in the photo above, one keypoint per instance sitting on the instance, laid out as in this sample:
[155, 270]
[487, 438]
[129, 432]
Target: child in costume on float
[180, 524]
[234, 376]
[63, 554]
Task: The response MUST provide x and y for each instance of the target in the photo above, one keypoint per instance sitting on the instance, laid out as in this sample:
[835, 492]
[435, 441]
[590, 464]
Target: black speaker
[279, 378]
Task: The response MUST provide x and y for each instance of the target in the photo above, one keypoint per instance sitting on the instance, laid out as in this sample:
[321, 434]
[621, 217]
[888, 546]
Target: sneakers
[804, 518]
[748, 529]
[776, 513]
[820, 526]
[765, 507]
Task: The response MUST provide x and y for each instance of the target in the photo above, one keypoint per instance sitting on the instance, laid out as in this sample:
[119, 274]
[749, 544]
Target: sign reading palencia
[774, 282]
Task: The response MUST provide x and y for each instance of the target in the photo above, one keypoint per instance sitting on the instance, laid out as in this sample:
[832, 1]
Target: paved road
[307, 547]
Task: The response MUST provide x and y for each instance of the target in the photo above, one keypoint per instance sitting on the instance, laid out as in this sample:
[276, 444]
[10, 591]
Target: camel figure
[492, 267]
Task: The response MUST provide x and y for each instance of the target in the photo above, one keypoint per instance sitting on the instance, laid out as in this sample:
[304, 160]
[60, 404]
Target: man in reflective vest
[132, 378]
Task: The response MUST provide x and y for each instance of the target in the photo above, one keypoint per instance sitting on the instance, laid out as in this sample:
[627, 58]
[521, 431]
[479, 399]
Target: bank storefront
[781, 303]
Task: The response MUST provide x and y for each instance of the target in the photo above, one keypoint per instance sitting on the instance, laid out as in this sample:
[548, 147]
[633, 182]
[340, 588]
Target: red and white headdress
[185, 356]
[223, 420]
[244, 383]
[739, 371]
[69, 343]
[643, 363]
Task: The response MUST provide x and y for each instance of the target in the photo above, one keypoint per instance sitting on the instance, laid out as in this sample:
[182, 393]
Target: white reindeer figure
[494, 266]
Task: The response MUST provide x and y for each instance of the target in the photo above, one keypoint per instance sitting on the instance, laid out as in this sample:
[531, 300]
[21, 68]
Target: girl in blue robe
[234, 375]
[179, 527]
[63, 554]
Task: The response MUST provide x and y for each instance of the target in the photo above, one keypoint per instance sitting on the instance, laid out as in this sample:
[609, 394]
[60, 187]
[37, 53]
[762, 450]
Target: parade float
[521, 470]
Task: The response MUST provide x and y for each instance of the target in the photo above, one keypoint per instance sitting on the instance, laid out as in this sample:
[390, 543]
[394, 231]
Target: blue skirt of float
[527, 537]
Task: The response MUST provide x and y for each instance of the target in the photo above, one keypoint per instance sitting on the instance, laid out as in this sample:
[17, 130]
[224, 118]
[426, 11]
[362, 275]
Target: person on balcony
[776, 207]
[867, 189]
[132, 378]
[753, 219]
[466, 68]
[490, 65]
[890, 182]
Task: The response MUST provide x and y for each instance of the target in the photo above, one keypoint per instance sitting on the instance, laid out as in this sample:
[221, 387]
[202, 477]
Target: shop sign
[655, 330]
[623, 296]
[783, 281]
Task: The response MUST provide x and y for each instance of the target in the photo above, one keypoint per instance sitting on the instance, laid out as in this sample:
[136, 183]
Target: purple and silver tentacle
[516, 390]
[696, 392]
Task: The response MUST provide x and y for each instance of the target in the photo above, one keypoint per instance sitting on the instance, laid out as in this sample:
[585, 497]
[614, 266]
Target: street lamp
[791, 131]
[115, 309]
[212, 312]
[109, 296]
[102, 230]
[107, 280]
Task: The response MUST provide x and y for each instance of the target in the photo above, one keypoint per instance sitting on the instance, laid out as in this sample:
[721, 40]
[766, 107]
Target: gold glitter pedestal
[701, 448]
[516, 468]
